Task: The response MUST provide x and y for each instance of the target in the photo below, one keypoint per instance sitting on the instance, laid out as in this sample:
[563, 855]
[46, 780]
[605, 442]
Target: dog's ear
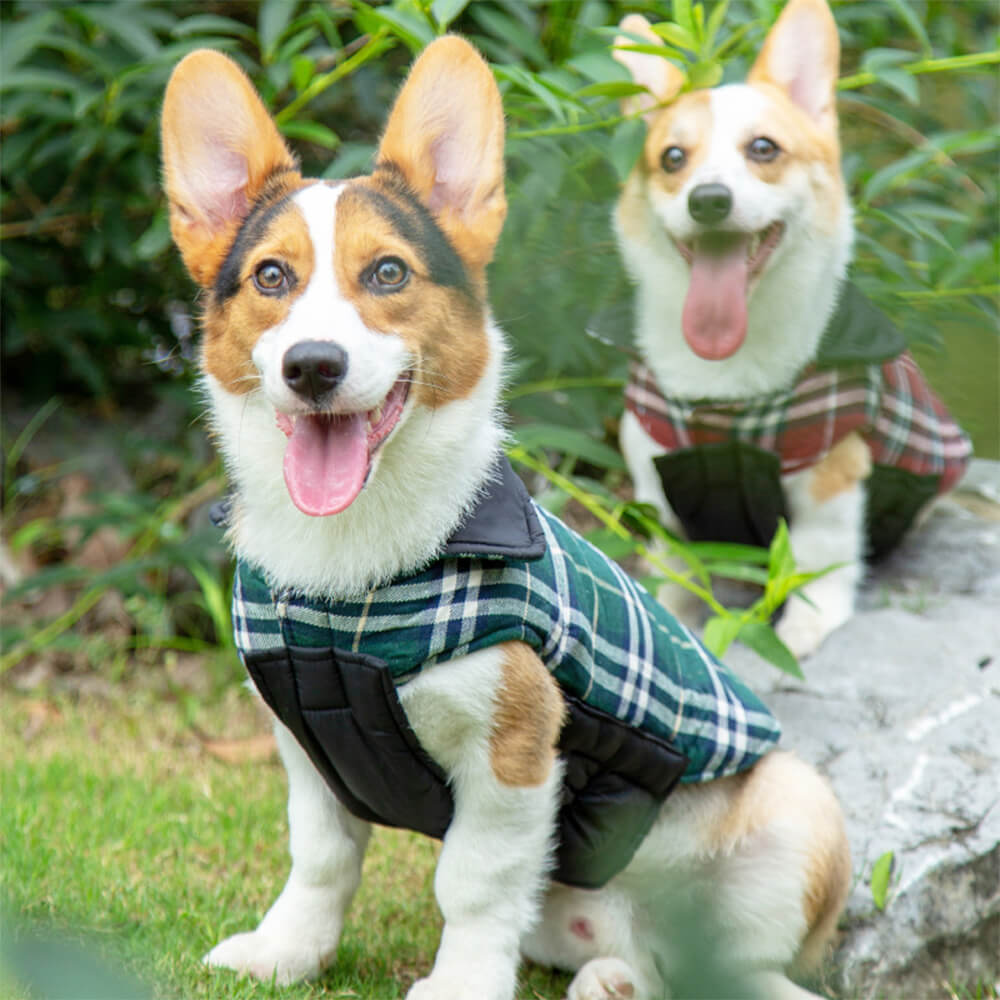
[445, 136]
[661, 78]
[801, 56]
[220, 147]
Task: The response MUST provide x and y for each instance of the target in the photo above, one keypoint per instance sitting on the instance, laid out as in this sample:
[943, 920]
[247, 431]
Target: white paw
[603, 979]
[255, 954]
[461, 986]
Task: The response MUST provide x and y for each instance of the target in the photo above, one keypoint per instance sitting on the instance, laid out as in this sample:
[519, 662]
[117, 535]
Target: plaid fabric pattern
[890, 404]
[602, 636]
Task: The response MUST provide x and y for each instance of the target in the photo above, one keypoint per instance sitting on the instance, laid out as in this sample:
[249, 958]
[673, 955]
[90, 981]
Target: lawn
[138, 830]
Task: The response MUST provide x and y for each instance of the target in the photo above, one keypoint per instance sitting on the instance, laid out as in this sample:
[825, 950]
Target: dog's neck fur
[426, 480]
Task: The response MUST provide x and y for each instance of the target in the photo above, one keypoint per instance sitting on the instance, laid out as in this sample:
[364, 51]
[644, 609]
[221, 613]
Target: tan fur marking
[686, 123]
[527, 720]
[842, 468]
[755, 799]
[233, 329]
[446, 333]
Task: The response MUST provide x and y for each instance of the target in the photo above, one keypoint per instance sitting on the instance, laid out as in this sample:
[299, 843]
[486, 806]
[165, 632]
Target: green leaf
[211, 24]
[156, 239]
[311, 132]
[683, 15]
[881, 878]
[119, 22]
[876, 60]
[719, 633]
[764, 641]
[569, 441]
[906, 13]
[626, 147]
[676, 35]
[731, 551]
[411, 29]
[612, 88]
[20, 39]
[303, 70]
[903, 83]
[704, 74]
[39, 80]
[273, 18]
[781, 562]
[715, 20]
[445, 11]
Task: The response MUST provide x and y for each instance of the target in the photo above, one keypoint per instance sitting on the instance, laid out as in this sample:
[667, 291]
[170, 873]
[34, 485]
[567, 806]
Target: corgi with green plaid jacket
[439, 653]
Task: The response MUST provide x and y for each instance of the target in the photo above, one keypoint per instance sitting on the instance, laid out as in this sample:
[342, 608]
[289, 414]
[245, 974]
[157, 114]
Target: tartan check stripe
[889, 404]
[602, 636]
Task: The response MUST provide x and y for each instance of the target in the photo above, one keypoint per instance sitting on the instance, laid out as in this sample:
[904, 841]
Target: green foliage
[96, 306]
[882, 872]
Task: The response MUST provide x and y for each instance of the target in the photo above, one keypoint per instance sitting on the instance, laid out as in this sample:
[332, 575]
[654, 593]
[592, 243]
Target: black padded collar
[503, 524]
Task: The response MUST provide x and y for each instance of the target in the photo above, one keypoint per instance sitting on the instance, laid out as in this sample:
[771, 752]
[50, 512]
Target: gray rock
[901, 710]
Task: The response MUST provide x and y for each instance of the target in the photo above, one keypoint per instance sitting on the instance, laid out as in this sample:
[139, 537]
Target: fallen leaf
[254, 748]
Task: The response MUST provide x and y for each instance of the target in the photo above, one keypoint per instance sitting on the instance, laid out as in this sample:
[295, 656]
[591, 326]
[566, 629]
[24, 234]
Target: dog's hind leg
[594, 934]
[299, 934]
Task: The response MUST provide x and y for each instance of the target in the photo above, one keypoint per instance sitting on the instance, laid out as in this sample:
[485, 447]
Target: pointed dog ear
[220, 147]
[661, 78]
[801, 56]
[445, 136]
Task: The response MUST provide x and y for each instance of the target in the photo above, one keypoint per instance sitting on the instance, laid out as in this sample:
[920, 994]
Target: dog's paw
[603, 979]
[257, 955]
[462, 985]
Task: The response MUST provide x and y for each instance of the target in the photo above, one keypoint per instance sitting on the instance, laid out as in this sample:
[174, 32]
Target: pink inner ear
[216, 183]
[453, 180]
[803, 66]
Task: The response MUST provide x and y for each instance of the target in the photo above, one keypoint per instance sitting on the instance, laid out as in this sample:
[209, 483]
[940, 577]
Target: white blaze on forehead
[375, 359]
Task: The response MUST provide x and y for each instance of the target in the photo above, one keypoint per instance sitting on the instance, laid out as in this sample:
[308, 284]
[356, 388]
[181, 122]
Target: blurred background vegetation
[109, 559]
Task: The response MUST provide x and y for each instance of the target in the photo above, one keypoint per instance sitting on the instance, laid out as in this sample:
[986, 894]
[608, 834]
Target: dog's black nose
[710, 203]
[314, 368]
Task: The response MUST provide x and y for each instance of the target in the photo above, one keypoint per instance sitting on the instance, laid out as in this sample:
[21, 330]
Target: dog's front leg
[827, 514]
[299, 934]
[491, 720]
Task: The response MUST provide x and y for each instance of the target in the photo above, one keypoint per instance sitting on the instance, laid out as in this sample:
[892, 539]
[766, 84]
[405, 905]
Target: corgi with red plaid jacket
[770, 388]
[438, 652]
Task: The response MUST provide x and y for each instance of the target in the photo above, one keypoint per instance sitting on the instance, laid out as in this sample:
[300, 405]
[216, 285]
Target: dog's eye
[673, 158]
[270, 277]
[762, 149]
[388, 274]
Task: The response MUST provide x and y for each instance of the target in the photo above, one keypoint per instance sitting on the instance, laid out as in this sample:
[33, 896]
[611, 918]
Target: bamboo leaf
[764, 641]
[882, 878]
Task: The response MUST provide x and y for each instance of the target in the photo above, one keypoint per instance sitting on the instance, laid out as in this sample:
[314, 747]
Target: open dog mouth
[723, 266]
[329, 455]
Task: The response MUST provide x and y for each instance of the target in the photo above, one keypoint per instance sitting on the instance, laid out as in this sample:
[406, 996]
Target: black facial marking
[268, 206]
[411, 219]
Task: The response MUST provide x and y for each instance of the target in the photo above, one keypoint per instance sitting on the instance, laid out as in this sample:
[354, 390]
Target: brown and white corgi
[353, 372]
[771, 387]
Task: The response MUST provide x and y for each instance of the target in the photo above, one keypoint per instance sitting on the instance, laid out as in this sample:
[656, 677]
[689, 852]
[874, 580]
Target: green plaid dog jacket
[647, 703]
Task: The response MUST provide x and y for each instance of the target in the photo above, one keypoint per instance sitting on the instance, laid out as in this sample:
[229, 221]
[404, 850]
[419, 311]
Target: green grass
[123, 840]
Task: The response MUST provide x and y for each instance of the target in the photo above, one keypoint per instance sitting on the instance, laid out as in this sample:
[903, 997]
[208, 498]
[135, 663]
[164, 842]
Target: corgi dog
[770, 388]
[353, 374]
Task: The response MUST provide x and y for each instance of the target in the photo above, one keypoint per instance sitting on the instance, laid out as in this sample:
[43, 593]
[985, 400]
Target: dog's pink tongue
[326, 463]
[715, 310]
